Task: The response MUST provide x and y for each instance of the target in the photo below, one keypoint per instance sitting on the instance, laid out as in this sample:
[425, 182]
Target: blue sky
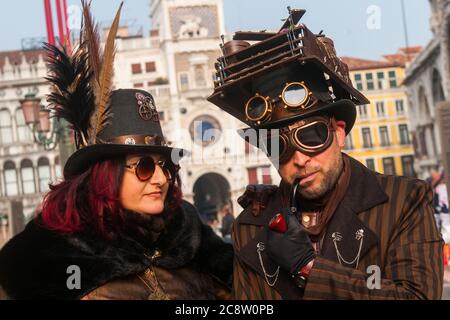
[345, 21]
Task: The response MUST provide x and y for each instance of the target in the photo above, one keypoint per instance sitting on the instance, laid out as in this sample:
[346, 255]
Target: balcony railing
[160, 91]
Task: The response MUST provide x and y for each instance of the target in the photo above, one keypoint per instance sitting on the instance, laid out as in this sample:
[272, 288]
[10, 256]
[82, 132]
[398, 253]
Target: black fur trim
[33, 265]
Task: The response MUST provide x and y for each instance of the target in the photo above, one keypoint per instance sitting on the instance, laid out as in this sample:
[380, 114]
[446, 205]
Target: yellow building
[380, 138]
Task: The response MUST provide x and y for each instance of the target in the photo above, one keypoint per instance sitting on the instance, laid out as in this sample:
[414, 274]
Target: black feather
[72, 97]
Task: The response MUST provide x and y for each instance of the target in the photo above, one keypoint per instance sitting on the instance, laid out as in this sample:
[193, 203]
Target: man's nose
[300, 159]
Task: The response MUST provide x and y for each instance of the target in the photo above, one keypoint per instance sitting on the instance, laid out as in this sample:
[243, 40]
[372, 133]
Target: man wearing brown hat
[332, 229]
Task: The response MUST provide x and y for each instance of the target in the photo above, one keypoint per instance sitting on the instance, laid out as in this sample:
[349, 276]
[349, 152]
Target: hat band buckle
[144, 139]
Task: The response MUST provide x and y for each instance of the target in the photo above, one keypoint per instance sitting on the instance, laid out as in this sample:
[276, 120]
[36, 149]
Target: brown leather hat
[283, 77]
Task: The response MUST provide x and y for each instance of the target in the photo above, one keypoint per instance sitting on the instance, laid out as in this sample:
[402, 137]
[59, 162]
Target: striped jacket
[393, 214]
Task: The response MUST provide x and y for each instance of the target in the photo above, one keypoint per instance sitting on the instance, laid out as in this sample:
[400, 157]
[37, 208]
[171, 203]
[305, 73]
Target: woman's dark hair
[90, 200]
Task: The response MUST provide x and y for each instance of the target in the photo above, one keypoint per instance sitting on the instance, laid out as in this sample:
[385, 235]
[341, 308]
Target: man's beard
[327, 183]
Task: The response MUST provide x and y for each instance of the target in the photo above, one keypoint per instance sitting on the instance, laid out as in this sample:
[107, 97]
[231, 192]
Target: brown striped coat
[400, 237]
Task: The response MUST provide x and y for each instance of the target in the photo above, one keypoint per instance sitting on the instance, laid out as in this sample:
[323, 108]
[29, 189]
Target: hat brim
[342, 110]
[82, 159]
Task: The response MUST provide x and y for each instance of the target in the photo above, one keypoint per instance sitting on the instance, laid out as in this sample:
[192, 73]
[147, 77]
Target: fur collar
[33, 265]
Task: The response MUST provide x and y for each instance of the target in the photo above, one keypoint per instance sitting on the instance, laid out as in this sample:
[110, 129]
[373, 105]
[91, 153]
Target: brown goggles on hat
[295, 95]
[311, 137]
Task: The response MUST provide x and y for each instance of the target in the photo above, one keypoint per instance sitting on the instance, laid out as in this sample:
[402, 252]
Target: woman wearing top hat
[116, 227]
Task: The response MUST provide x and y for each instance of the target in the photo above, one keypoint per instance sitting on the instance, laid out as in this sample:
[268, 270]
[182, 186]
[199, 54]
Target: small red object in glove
[278, 223]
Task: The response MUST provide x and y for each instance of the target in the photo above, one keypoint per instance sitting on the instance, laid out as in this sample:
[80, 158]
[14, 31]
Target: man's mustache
[306, 171]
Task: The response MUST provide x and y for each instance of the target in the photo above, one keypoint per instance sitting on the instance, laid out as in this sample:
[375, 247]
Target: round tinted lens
[313, 135]
[294, 95]
[167, 169]
[256, 108]
[145, 169]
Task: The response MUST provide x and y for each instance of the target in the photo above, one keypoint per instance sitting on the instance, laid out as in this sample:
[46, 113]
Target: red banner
[49, 22]
[63, 26]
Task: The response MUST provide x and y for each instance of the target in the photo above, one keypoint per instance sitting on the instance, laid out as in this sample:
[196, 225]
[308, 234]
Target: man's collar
[364, 192]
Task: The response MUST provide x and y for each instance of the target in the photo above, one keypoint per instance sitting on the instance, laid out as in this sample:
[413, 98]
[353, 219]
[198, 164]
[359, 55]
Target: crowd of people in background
[222, 222]
[440, 204]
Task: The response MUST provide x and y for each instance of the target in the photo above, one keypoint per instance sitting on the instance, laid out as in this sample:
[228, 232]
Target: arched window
[23, 132]
[26, 171]
[6, 135]
[10, 175]
[425, 131]
[424, 108]
[438, 92]
[44, 174]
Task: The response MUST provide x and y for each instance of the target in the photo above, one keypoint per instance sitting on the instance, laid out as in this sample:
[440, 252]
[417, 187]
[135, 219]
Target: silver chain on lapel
[260, 248]
[359, 236]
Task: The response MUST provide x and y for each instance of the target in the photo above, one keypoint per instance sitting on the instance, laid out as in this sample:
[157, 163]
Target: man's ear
[340, 133]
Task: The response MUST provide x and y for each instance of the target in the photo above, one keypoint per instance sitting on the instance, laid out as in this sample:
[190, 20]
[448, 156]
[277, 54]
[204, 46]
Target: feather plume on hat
[82, 80]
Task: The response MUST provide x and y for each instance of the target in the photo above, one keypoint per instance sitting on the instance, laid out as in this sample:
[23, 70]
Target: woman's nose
[158, 177]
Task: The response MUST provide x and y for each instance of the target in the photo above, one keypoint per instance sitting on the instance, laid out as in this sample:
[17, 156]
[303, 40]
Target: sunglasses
[258, 109]
[145, 168]
[311, 138]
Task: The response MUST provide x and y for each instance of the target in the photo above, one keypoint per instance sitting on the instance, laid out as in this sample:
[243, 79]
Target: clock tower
[217, 173]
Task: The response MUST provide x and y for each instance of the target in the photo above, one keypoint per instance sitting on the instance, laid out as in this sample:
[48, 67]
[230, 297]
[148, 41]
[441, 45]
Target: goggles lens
[311, 139]
[312, 136]
[295, 95]
[256, 108]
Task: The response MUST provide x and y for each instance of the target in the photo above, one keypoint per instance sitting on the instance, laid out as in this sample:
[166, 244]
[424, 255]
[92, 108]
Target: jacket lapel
[348, 237]
[346, 234]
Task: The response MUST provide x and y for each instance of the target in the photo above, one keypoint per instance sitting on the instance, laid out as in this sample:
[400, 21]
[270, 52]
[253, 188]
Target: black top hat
[284, 77]
[134, 128]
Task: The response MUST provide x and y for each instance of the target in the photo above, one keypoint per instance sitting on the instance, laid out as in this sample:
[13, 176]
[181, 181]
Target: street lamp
[46, 132]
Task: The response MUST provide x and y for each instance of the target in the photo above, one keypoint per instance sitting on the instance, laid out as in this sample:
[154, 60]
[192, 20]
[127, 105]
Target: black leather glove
[291, 250]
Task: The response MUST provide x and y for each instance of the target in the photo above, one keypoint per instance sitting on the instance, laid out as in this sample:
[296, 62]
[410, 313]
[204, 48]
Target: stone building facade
[26, 169]
[428, 84]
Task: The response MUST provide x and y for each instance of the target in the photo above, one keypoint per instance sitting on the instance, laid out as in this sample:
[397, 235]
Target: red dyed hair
[90, 200]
